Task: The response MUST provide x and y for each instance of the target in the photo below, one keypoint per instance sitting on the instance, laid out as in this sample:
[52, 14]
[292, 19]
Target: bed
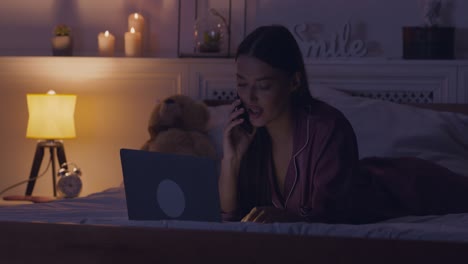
[95, 228]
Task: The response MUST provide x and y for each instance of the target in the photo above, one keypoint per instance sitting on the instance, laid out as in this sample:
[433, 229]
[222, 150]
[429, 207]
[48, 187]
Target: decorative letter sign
[339, 45]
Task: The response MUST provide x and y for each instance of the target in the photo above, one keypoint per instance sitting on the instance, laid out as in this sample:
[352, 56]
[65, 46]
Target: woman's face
[264, 90]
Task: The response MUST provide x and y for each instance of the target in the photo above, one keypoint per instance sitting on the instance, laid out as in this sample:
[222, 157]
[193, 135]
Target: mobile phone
[246, 125]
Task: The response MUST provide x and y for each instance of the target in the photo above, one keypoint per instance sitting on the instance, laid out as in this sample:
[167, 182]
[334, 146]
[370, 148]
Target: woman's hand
[270, 215]
[235, 139]
[235, 144]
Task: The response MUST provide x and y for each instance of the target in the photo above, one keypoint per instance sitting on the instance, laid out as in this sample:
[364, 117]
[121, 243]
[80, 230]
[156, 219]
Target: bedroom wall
[114, 101]
[115, 97]
[26, 25]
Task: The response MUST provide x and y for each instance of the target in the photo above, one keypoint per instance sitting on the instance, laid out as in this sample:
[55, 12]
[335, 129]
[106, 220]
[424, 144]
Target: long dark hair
[276, 46]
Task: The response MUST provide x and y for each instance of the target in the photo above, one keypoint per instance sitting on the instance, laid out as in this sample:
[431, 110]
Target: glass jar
[211, 34]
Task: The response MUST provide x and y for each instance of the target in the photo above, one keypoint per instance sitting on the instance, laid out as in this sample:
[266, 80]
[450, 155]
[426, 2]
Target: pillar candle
[136, 21]
[106, 44]
[133, 43]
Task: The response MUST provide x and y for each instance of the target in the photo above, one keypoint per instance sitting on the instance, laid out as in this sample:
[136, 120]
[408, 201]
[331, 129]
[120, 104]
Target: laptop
[162, 186]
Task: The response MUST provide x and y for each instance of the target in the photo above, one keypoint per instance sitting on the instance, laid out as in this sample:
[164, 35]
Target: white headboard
[392, 80]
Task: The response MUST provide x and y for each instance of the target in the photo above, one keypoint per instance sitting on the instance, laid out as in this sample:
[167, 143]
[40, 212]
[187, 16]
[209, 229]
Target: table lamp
[51, 119]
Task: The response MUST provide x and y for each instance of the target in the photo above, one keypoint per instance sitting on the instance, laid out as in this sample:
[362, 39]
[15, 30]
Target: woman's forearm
[227, 185]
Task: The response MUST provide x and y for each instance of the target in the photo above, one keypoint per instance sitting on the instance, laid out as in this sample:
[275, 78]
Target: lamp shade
[51, 116]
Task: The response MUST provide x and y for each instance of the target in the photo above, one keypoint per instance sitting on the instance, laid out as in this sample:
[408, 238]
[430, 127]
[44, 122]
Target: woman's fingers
[232, 124]
[234, 119]
[261, 217]
[236, 103]
[235, 139]
[257, 215]
[265, 215]
[236, 113]
[251, 215]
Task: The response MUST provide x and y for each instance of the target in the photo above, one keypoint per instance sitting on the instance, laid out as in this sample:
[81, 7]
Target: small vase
[62, 46]
[211, 34]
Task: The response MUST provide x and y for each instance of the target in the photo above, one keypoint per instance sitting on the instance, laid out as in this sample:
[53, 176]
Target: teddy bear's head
[178, 111]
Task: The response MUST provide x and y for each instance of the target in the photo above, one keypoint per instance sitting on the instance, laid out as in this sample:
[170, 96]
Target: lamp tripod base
[56, 150]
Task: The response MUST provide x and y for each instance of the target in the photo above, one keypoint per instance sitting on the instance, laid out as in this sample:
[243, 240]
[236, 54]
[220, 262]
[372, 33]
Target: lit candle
[136, 21]
[132, 43]
[106, 43]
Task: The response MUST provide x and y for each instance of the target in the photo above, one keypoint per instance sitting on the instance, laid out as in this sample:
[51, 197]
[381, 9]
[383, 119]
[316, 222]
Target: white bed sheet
[109, 208]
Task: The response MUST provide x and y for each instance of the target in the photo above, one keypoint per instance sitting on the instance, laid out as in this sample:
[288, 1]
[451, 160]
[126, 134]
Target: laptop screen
[161, 186]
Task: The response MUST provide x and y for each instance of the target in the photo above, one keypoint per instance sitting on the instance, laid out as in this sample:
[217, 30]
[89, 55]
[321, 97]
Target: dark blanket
[394, 187]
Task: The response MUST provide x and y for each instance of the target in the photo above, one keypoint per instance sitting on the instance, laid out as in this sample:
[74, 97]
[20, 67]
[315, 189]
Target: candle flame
[51, 92]
[132, 30]
[136, 15]
[106, 34]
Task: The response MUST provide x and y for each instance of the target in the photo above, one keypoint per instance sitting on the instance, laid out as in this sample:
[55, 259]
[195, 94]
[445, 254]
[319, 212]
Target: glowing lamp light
[51, 116]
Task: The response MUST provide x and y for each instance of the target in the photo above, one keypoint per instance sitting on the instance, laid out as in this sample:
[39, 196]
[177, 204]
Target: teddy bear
[179, 125]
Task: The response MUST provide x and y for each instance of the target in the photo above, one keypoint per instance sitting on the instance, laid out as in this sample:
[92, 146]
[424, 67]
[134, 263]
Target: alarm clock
[69, 183]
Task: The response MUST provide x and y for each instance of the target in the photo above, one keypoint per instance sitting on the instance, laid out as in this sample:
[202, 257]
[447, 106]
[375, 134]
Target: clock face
[69, 186]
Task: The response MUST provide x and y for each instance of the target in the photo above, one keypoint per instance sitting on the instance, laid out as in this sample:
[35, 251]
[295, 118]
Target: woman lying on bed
[300, 162]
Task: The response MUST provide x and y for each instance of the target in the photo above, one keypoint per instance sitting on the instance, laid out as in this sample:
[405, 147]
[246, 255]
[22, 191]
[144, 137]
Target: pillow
[389, 129]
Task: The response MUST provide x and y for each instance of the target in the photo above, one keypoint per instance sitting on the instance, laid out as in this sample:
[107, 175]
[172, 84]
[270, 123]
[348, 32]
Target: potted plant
[211, 33]
[62, 42]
